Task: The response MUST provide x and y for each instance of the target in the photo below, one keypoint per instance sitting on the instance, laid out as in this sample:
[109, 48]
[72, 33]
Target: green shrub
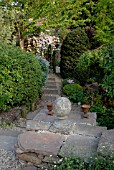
[74, 92]
[75, 44]
[96, 163]
[99, 65]
[105, 117]
[20, 77]
[108, 79]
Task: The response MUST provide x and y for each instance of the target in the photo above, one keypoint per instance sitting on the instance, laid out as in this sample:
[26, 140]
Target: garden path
[46, 140]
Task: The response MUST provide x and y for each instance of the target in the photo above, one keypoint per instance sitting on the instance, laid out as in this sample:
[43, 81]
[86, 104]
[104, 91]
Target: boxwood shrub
[20, 77]
[74, 92]
[75, 44]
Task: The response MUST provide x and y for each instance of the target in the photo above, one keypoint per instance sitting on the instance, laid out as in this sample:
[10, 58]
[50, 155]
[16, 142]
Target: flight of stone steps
[51, 90]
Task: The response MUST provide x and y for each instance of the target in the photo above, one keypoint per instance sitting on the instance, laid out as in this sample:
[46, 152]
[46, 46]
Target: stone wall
[42, 45]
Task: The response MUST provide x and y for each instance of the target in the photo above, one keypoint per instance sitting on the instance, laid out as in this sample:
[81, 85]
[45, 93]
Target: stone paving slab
[50, 83]
[8, 143]
[61, 126]
[30, 168]
[9, 132]
[76, 116]
[50, 91]
[84, 129]
[79, 146]
[37, 125]
[51, 97]
[51, 78]
[31, 115]
[106, 143]
[52, 87]
[43, 116]
[42, 143]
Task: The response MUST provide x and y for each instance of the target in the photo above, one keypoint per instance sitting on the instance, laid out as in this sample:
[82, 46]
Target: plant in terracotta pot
[50, 108]
[85, 109]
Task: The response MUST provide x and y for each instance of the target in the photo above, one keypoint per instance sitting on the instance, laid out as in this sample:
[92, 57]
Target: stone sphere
[62, 107]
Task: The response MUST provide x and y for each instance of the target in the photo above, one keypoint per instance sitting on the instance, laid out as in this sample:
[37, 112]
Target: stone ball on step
[62, 107]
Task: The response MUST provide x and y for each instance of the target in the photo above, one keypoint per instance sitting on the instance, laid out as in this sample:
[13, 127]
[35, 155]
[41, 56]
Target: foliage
[101, 59]
[104, 20]
[108, 79]
[20, 77]
[74, 92]
[44, 66]
[57, 63]
[69, 13]
[105, 117]
[96, 163]
[25, 16]
[7, 26]
[75, 43]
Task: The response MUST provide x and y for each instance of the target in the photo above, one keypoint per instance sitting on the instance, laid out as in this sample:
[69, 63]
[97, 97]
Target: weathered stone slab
[51, 159]
[30, 168]
[50, 91]
[84, 129]
[52, 87]
[42, 143]
[49, 83]
[49, 97]
[31, 115]
[79, 146]
[30, 157]
[8, 142]
[51, 79]
[9, 132]
[37, 125]
[106, 143]
[76, 116]
[62, 126]
[43, 116]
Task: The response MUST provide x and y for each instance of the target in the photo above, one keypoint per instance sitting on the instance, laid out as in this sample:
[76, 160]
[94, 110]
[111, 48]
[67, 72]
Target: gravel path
[8, 161]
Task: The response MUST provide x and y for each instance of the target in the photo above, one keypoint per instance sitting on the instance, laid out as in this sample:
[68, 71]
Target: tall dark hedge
[20, 77]
[75, 43]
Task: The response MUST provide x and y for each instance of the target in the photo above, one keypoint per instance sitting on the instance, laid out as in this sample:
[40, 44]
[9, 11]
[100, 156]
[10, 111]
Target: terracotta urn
[50, 108]
[85, 109]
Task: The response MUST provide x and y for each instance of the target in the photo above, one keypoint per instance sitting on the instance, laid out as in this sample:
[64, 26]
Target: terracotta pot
[50, 108]
[85, 109]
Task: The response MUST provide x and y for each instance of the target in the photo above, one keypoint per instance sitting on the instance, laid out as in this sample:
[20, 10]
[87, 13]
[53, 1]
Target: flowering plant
[70, 81]
[44, 66]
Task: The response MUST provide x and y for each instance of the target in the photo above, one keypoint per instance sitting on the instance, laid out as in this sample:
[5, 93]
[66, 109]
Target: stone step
[50, 87]
[50, 91]
[36, 125]
[43, 116]
[88, 130]
[8, 142]
[106, 144]
[51, 97]
[5, 132]
[44, 144]
[79, 146]
[51, 79]
[50, 83]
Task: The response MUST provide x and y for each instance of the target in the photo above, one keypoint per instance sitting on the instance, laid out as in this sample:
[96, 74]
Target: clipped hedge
[74, 92]
[20, 77]
[75, 44]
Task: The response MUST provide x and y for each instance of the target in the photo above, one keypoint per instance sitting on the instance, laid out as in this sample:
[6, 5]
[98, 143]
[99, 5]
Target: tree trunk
[21, 43]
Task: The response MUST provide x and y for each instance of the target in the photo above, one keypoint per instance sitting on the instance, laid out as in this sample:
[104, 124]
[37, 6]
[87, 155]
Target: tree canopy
[62, 14]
